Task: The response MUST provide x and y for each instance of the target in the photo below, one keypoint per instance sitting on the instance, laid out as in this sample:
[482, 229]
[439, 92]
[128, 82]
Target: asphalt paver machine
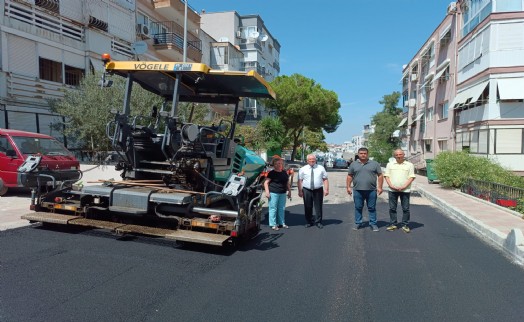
[180, 180]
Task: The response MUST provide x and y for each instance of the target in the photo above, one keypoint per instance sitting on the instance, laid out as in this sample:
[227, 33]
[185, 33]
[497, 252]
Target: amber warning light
[106, 58]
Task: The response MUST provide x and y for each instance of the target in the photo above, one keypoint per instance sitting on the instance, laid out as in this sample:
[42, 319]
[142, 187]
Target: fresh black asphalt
[438, 272]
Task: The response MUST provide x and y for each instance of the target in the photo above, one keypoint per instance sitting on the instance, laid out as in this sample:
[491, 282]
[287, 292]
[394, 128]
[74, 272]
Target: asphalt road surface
[438, 272]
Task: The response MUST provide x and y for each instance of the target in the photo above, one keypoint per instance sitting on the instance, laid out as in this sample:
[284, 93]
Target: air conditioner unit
[452, 7]
[412, 102]
[143, 30]
[239, 34]
[406, 103]
[414, 77]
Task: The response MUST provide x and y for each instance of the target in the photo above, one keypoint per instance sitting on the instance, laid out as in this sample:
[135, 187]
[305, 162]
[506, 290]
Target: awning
[98, 65]
[437, 76]
[511, 88]
[402, 122]
[444, 32]
[443, 65]
[404, 75]
[470, 95]
[427, 79]
[396, 134]
[417, 118]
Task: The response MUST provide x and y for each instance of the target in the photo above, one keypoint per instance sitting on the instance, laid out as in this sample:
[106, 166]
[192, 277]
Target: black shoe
[320, 226]
[308, 225]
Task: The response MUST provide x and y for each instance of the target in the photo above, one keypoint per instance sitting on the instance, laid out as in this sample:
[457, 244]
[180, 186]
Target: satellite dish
[254, 34]
[264, 37]
[139, 47]
[223, 39]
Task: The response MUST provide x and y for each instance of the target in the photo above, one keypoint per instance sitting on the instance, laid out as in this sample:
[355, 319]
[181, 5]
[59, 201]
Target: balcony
[174, 10]
[168, 38]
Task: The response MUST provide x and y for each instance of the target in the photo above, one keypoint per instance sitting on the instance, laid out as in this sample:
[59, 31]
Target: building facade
[469, 90]
[47, 46]
[248, 35]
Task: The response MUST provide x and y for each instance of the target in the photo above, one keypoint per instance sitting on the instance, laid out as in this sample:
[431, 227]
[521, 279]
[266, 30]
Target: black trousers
[313, 199]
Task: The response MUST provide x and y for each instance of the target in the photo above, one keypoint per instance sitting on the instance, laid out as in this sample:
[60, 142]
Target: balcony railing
[169, 34]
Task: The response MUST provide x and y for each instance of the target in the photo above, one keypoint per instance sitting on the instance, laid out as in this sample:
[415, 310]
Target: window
[474, 13]
[508, 141]
[427, 145]
[429, 115]
[142, 19]
[443, 110]
[50, 70]
[249, 31]
[474, 143]
[73, 75]
[483, 141]
[443, 145]
[5, 145]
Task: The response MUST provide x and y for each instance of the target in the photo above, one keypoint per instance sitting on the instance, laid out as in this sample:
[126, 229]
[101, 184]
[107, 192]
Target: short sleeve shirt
[364, 174]
[399, 173]
[278, 183]
[319, 173]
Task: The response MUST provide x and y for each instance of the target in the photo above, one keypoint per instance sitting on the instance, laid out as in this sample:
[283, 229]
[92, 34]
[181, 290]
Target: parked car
[321, 161]
[340, 164]
[46, 157]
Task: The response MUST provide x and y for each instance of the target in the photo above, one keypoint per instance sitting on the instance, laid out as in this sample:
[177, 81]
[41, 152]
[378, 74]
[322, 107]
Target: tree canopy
[303, 104]
[381, 142]
[87, 110]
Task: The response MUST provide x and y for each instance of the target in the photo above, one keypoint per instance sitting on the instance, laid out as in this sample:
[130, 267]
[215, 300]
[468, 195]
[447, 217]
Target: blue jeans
[277, 206]
[393, 203]
[370, 197]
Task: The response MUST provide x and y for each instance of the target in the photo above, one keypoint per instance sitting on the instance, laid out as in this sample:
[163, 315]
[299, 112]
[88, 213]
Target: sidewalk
[497, 225]
[13, 205]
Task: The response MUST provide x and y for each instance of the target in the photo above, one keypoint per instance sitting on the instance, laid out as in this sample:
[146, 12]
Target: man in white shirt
[313, 185]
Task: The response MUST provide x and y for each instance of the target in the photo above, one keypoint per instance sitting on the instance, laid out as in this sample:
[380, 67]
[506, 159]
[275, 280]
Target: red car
[47, 159]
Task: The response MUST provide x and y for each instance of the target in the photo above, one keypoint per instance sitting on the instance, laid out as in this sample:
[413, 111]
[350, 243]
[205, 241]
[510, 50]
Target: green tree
[381, 142]
[271, 132]
[302, 103]
[252, 137]
[197, 113]
[315, 140]
[87, 110]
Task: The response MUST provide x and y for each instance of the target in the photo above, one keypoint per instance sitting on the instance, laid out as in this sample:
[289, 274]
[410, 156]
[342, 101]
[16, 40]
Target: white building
[249, 35]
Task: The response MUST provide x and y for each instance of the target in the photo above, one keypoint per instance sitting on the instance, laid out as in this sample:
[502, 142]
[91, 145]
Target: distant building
[249, 35]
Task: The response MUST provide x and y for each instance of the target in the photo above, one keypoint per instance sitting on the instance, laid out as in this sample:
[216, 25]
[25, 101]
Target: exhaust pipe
[209, 211]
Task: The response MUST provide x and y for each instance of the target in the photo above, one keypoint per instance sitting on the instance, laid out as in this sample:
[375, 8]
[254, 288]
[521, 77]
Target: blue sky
[354, 48]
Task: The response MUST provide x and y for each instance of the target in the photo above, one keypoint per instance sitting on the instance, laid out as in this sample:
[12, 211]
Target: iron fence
[499, 194]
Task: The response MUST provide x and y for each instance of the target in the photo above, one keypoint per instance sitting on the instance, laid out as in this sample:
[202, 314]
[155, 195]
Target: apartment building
[249, 36]
[428, 86]
[48, 45]
[468, 90]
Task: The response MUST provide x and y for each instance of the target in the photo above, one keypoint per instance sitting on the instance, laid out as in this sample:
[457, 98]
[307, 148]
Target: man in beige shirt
[399, 175]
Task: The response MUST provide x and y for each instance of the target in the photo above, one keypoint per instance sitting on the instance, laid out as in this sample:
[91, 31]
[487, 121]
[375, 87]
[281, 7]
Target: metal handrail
[496, 193]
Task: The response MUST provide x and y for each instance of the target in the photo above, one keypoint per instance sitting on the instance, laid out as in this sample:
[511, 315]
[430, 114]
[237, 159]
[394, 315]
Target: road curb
[511, 244]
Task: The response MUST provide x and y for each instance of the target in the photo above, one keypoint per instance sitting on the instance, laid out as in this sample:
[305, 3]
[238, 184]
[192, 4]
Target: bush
[454, 168]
